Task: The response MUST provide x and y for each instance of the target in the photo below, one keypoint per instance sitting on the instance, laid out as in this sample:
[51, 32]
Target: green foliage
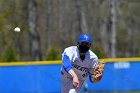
[138, 53]
[99, 52]
[9, 55]
[53, 53]
[65, 26]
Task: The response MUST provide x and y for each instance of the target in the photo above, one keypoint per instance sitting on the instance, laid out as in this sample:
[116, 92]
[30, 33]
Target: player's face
[85, 44]
[83, 47]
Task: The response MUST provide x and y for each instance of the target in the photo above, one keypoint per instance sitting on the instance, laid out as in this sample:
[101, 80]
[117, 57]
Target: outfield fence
[121, 74]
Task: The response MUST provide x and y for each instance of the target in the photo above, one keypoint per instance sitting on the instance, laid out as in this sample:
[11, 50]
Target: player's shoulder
[93, 55]
[71, 48]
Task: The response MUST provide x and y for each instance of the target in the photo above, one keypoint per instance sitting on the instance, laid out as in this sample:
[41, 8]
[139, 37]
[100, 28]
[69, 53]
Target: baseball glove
[98, 72]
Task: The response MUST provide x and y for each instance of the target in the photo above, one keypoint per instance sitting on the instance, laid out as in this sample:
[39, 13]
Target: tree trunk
[112, 27]
[82, 17]
[48, 22]
[33, 34]
[104, 37]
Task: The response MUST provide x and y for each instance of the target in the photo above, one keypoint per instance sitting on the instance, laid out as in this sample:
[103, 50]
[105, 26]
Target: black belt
[62, 73]
[69, 77]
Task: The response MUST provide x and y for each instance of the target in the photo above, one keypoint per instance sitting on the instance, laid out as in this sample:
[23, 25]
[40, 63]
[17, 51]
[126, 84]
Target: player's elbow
[66, 63]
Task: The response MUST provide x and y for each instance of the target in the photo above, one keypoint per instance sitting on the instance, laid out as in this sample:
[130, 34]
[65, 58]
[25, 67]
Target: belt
[62, 73]
[69, 77]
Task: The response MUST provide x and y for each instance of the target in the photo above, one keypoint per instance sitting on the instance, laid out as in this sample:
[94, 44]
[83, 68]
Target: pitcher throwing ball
[79, 62]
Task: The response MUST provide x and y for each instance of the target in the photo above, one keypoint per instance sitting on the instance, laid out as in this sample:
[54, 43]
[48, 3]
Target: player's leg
[78, 90]
[66, 84]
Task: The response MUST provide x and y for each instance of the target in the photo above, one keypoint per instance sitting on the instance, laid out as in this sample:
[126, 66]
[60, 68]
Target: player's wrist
[75, 76]
[72, 73]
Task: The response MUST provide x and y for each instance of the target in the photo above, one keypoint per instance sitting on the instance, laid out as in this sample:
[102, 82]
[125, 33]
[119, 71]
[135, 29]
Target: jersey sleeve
[66, 59]
[94, 62]
[68, 52]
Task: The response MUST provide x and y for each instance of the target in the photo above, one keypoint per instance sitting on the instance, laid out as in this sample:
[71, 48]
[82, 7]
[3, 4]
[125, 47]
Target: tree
[82, 16]
[112, 28]
[35, 45]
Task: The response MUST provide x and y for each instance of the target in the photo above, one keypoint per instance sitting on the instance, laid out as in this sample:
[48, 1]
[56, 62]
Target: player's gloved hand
[75, 82]
[98, 72]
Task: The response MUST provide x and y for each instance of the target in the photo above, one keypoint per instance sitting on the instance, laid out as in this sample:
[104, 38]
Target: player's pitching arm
[68, 67]
[75, 79]
[97, 74]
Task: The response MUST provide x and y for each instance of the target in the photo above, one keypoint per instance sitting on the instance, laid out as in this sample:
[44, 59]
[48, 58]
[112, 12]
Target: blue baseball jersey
[81, 67]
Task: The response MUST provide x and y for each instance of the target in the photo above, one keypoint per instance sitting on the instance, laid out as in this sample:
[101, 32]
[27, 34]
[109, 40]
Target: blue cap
[85, 38]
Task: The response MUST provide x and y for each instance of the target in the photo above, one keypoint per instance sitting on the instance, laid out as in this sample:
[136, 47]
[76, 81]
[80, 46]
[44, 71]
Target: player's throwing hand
[75, 82]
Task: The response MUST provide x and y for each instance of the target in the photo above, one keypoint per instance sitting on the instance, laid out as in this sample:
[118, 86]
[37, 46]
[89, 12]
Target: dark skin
[82, 55]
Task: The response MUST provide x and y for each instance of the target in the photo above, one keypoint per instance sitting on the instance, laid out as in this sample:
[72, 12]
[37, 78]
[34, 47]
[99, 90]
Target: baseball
[17, 29]
[72, 91]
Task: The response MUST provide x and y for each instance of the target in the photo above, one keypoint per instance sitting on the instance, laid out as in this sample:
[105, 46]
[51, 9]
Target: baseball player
[78, 62]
